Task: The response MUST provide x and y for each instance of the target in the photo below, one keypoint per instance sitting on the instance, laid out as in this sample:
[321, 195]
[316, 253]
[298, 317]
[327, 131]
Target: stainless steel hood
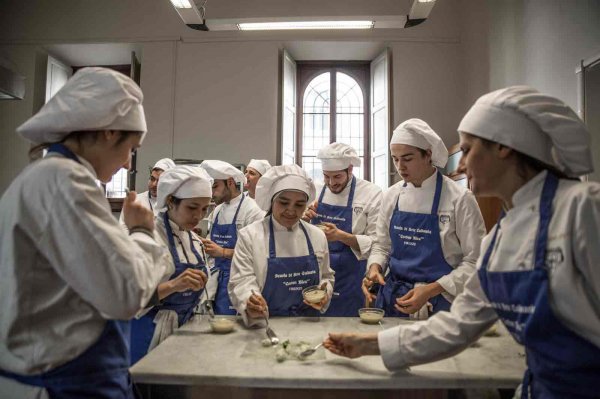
[12, 85]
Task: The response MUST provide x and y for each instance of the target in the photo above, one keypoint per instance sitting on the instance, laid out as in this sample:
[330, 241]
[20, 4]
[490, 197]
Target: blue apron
[561, 364]
[225, 235]
[101, 371]
[183, 303]
[349, 271]
[417, 256]
[287, 277]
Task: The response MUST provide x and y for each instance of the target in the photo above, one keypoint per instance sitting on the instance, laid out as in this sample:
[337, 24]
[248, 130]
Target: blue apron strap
[351, 195]
[438, 193]
[172, 247]
[200, 265]
[150, 202]
[488, 252]
[237, 210]
[308, 243]
[322, 193]
[62, 149]
[550, 186]
[271, 239]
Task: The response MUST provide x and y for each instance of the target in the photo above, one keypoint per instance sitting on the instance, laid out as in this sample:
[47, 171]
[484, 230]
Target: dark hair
[80, 135]
[525, 162]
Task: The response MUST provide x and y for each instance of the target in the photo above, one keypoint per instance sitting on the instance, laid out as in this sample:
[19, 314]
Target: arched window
[322, 121]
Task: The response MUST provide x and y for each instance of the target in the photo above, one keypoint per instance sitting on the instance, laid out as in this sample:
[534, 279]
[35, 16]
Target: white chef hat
[93, 99]
[260, 165]
[338, 156]
[535, 124]
[164, 164]
[183, 181]
[221, 170]
[280, 178]
[417, 133]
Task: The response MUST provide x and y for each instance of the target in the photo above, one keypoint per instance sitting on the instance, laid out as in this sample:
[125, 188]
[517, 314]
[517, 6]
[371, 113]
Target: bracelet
[141, 229]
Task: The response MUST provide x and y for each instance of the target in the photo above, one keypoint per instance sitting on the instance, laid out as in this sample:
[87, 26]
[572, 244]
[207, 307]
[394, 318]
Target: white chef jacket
[460, 221]
[66, 267]
[365, 209]
[249, 264]
[249, 213]
[574, 276]
[143, 199]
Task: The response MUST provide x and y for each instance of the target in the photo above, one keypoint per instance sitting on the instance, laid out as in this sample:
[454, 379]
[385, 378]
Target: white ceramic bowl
[314, 294]
[221, 325]
[371, 315]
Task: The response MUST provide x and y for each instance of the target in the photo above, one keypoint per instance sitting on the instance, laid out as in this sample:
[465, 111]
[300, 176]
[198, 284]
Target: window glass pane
[312, 166]
[317, 95]
[315, 117]
[350, 117]
[349, 95]
[116, 187]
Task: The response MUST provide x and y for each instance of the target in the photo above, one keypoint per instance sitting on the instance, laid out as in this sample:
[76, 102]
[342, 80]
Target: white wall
[214, 94]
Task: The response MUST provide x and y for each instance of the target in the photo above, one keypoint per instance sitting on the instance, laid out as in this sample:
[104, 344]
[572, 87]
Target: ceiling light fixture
[191, 15]
[306, 25]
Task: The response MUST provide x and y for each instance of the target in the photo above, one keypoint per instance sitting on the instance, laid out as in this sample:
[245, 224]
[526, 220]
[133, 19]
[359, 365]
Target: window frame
[359, 71]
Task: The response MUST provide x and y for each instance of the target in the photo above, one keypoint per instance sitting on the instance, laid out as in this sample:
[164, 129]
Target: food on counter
[371, 315]
[492, 331]
[314, 294]
[266, 342]
[221, 325]
[291, 350]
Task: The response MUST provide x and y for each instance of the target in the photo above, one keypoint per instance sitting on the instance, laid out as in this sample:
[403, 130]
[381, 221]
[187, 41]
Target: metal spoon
[270, 333]
[207, 307]
[308, 352]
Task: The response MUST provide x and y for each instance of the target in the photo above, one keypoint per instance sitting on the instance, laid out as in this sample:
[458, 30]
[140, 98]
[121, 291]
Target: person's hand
[256, 306]
[212, 248]
[374, 276]
[135, 214]
[416, 298]
[310, 212]
[323, 302]
[332, 232]
[352, 345]
[189, 279]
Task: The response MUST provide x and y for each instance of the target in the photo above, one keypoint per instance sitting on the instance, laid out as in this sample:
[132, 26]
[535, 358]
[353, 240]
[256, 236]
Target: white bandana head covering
[417, 133]
[338, 156]
[280, 178]
[220, 170]
[183, 181]
[92, 99]
[260, 165]
[164, 164]
[535, 124]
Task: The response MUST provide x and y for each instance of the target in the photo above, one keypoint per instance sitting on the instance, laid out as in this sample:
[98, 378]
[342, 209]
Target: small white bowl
[314, 294]
[221, 325]
[371, 315]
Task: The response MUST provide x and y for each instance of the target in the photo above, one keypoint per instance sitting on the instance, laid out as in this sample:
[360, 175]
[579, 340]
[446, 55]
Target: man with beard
[346, 211]
[233, 212]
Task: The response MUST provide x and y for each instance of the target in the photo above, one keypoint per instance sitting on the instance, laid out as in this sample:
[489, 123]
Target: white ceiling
[333, 51]
[94, 53]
